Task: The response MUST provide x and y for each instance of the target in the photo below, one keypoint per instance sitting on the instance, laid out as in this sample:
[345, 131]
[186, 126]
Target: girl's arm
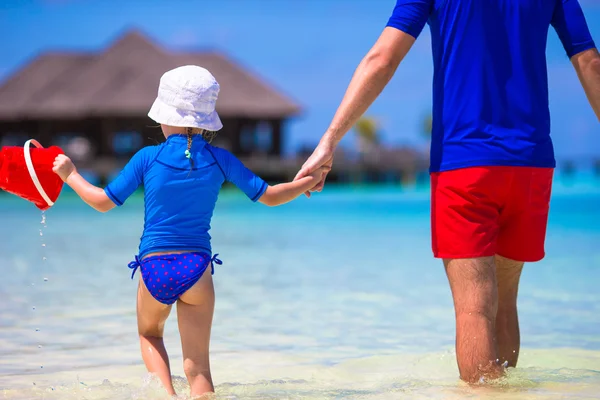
[236, 172]
[286, 192]
[92, 195]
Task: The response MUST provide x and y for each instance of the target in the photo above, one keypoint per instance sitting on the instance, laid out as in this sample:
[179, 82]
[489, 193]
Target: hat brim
[165, 114]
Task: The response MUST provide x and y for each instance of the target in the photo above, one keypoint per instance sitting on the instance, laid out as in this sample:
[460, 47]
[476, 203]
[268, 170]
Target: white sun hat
[187, 97]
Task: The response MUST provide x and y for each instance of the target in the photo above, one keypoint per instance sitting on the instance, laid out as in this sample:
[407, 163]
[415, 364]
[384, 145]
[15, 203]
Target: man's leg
[508, 273]
[465, 220]
[521, 237]
[475, 294]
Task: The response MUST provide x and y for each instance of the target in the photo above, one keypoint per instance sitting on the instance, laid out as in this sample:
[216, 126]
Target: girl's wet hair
[206, 135]
[188, 154]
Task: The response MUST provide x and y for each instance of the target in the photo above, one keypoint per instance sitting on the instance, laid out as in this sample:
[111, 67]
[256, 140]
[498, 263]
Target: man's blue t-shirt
[180, 199]
[490, 84]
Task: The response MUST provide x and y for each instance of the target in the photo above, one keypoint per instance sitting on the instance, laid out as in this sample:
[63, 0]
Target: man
[492, 158]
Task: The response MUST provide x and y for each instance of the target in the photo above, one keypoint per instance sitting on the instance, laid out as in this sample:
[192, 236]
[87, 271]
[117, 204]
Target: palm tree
[368, 136]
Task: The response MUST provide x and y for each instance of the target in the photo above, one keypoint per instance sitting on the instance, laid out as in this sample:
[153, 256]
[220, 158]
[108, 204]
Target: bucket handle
[31, 170]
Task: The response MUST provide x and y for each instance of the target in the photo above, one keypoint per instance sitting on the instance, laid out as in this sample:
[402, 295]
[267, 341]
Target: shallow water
[328, 298]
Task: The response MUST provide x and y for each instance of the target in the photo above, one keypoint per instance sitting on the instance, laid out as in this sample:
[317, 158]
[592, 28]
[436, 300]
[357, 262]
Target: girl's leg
[151, 317]
[195, 312]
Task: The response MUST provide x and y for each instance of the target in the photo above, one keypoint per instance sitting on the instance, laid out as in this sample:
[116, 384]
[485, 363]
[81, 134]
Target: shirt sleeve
[237, 173]
[410, 16]
[570, 25]
[130, 178]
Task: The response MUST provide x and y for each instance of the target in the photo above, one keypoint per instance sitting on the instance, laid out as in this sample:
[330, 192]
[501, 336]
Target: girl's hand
[319, 174]
[63, 167]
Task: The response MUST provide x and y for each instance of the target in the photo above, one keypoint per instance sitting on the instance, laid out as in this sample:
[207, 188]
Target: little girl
[181, 179]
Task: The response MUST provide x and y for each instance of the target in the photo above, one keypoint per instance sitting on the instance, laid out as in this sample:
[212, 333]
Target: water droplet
[44, 258]
[41, 366]
[39, 346]
[45, 280]
[33, 308]
[43, 244]
[37, 329]
[33, 284]
[41, 233]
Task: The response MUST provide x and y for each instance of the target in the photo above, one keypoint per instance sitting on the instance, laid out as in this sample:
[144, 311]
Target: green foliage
[367, 128]
[427, 125]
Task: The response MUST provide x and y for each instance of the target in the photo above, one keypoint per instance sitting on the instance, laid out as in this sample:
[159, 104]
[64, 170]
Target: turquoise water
[336, 297]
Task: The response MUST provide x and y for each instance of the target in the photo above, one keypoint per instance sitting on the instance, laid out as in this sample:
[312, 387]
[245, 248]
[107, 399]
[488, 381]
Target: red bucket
[28, 174]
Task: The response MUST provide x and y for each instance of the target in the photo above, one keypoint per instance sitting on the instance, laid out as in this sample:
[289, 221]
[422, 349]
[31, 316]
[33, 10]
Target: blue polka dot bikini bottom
[169, 276]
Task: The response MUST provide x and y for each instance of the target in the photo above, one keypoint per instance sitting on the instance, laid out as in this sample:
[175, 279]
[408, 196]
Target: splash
[42, 228]
[44, 225]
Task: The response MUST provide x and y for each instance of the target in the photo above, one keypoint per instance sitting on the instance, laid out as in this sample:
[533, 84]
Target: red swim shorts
[483, 211]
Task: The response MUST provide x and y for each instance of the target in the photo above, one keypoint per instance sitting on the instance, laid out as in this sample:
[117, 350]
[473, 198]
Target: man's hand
[322, 156]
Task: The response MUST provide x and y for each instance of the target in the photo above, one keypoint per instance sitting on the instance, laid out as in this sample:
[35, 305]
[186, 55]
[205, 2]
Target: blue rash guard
[179, 200]
[490, 84]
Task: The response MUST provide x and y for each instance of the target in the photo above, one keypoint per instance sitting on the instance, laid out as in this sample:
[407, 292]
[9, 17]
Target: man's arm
[571, 26]
[370, 78]
[372, 75]
[587, 65]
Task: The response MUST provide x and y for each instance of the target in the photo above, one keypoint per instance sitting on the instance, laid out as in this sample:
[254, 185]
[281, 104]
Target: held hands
[319, 163]
[63, 167]
[318, 175]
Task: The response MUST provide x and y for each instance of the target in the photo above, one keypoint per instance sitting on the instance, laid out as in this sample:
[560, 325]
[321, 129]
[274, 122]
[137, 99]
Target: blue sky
[306, 48]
